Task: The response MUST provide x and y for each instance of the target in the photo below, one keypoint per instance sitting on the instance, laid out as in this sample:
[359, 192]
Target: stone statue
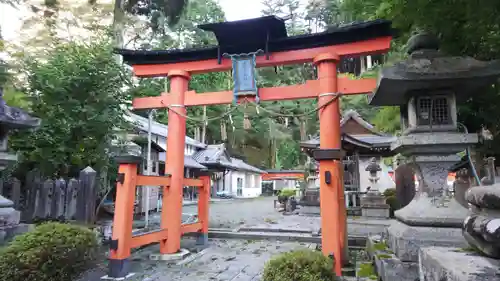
[482, 227]
[373, 203]
[405, 183]
[461, 185]
[373, 168]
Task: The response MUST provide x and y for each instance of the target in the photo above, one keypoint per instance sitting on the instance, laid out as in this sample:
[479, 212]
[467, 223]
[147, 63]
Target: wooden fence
[54, 199]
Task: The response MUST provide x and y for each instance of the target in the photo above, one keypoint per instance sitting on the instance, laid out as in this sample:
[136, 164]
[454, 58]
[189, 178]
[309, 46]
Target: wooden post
[329, 116]
[203, 209]
[123, 219]
[171, 215]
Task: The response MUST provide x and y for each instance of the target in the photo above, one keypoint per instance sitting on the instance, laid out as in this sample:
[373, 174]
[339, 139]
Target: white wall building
[232, 177]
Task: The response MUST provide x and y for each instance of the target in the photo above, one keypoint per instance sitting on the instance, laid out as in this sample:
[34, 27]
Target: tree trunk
[118, 25]
[204, 128]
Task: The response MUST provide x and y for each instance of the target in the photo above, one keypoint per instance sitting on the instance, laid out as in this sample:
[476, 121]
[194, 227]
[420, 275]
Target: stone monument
[11, 118]
[427, 87]
[309, 200]
[373, 202]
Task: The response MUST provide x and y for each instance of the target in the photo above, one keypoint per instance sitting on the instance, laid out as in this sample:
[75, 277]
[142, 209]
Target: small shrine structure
[361, 142]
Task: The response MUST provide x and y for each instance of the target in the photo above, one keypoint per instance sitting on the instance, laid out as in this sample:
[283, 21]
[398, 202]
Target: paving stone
[230, 260]
[455, 264]
[236, 259]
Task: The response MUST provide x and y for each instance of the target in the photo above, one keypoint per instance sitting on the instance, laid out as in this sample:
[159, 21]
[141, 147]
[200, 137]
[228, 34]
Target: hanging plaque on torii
[244, 75]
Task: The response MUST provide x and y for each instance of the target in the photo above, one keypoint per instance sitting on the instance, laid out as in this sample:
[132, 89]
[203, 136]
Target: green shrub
[301, 265]
[393, 203]
[390, 192]
[288, 192]
[51, 252]
[391, 200]
[366, 270]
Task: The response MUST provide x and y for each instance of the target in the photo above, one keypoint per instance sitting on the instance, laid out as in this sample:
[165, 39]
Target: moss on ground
[367, 270]
[467, 250]
[383, 256]
[379, 246]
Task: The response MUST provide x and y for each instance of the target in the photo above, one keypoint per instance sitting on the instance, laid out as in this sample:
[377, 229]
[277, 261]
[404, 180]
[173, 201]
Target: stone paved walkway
[259, 212]
[224, 260]
[234, 260]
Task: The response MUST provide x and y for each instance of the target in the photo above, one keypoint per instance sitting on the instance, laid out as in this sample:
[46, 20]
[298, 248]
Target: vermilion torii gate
[241, 40]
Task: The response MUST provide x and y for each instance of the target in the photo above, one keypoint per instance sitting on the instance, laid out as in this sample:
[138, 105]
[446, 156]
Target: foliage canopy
[77, 94]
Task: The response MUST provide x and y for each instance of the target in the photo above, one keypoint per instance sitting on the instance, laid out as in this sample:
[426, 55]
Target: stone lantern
[10, 118]
[373, 203]
[427, 87]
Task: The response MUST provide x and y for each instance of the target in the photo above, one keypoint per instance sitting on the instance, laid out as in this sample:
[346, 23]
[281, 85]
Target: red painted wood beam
[192, 227]
[308, 90]
[373, 46]
[277, 176]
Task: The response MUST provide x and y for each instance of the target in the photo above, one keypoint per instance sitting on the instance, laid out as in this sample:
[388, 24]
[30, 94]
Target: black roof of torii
[265, 33]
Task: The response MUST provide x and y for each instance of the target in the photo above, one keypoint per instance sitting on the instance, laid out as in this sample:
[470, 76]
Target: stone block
[183, 253]
[375, 212]
[9, 216]
[406, 240]
[456, 264]
[7, 233]
[387, 265]
[391, 269]
[309, 210]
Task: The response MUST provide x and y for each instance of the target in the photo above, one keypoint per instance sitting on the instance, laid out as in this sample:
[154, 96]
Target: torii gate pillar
[333, 227]
[171, 215]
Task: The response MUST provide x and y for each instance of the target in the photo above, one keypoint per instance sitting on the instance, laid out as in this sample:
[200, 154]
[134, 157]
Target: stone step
[444, 263]
[356, 241]
[387, 266]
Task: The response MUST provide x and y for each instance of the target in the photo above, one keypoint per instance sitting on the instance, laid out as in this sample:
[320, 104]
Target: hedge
[288, 192]
[52, 251]
[300, 265]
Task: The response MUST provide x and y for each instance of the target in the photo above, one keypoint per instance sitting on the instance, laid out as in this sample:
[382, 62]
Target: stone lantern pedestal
[427, 87]
[430, 219]
[373, 203]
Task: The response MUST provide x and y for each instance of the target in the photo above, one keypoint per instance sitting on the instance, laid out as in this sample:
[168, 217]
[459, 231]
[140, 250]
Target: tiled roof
[246, 167]
[272, 171]
[212, 154]
[157, 128]
[215, 154]
[352, 114]
[370, 140]
[375, 140]
[189, 162]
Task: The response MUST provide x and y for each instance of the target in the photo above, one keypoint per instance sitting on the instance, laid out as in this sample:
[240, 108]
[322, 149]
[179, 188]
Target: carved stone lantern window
[432, 111]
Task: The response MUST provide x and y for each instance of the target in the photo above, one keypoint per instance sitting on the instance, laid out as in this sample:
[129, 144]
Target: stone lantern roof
[15, 118]
[427, 68]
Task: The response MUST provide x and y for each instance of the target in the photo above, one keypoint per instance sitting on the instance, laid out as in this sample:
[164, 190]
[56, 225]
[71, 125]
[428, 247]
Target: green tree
[77, 94]
[465, 28]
